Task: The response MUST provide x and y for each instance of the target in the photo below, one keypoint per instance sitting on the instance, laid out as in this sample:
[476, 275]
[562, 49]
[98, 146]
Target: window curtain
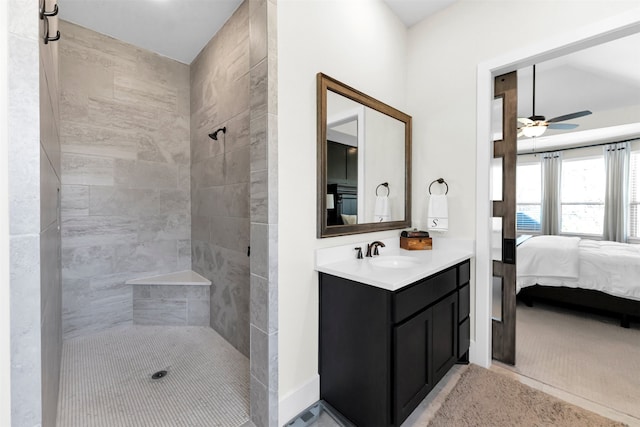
[551, 171]
[616, 158]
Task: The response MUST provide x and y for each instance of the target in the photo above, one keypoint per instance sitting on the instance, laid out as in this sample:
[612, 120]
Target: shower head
[214, 134]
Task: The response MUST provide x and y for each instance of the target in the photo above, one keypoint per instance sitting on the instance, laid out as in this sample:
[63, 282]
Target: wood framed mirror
[364, 162]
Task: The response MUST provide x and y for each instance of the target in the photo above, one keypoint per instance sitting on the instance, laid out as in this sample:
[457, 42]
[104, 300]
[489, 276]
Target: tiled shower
[144, 191]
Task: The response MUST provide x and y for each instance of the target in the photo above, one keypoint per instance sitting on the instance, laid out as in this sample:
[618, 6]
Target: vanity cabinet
[381, 351]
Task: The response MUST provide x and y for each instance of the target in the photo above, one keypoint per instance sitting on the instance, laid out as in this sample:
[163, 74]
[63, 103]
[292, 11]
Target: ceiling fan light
[534, 131]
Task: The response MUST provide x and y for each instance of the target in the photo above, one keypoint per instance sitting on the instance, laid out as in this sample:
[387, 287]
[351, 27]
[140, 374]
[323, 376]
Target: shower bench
[177, 299]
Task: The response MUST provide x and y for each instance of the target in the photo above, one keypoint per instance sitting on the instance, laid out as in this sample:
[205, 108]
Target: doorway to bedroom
[577, 230]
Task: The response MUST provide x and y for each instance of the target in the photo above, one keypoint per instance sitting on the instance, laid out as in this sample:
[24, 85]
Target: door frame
[562, 44]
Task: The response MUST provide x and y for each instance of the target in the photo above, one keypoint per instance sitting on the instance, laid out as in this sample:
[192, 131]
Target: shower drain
[158, 375]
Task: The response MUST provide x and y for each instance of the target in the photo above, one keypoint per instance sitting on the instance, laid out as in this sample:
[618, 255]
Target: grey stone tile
[173, 202]
[81, 169]
[272, 122]
[157, 256]
[235, 97]
[184, 254]
[198, 312]
[21, 22]
[150, 92]
[176, 292]
[203, 261]
[141, 174]
[120, 115]
[258, 139]
[83, 137]
[24, 261]
[141, 291]
[110, 200]
[236, 166]
[209, 202]
[230, 233]
[260, 250]
[200, 227]
[264, 305]
[238, 131]
[98, 230]
[160, 312]
[49, 193]
[75, 200]
[264, 357]
[258, 30]
[112, 300]
[164, 227]
[212, 171]
[263, 404]
[184, 178]
[259, 196]
[259, 81]
[236, 200]
[87, 261]
[171, 143]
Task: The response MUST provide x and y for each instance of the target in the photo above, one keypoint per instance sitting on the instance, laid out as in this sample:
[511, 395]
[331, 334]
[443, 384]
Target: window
[582, 195]
[634, 195]
[528, 196]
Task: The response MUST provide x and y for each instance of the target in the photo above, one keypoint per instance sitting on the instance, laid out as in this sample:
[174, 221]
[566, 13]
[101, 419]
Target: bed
[588, 273]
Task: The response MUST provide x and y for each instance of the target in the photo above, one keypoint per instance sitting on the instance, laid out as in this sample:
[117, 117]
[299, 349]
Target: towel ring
[384, 184]
[439, 181]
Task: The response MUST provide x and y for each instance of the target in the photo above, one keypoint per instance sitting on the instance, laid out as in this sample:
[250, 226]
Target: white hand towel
[438, 213]
[382, 210]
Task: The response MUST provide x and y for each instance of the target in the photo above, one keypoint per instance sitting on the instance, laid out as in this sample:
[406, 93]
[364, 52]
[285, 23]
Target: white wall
[5, 324]
[365, 46]
[443, 56]
[362, 44]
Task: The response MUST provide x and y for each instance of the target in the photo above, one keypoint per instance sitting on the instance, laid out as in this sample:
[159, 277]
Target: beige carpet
[485, 398]
[587, 355]
[106, 379]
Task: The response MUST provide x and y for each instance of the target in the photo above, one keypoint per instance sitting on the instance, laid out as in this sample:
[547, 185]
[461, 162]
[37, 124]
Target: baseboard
[477, 356]
[297, 400]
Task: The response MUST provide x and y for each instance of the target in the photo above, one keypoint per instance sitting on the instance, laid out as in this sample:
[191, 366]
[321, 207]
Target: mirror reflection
[365, 164]
[364, 152]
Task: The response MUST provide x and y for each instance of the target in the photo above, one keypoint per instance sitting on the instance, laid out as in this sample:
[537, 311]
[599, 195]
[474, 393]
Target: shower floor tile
[106, 379]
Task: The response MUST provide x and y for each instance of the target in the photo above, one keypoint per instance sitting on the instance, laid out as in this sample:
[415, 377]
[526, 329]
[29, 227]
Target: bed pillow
[349, 219]
[551, 256]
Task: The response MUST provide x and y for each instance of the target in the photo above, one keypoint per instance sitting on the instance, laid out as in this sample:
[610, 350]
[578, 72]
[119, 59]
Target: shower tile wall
[220, 175]
[34, 171]
[124, 132]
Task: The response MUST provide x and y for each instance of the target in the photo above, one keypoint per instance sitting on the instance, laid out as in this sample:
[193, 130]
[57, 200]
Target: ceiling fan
[535, 126]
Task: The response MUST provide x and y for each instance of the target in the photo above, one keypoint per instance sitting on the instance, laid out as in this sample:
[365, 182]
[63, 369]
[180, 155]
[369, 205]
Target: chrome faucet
[375, 245]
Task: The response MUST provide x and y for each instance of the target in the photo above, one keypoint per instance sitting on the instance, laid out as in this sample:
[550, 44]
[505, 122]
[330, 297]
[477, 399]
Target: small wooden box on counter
[416, 243]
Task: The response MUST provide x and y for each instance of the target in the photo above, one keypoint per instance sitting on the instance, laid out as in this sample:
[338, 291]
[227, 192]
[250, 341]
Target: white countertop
[361, 270]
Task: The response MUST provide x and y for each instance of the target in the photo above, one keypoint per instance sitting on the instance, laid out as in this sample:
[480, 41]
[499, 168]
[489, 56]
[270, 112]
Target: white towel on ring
[438, 213]
[382, 209]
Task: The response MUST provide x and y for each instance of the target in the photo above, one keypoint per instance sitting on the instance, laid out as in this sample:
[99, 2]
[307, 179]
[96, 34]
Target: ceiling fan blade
[564, 126]
[525, 121]
[569, 116]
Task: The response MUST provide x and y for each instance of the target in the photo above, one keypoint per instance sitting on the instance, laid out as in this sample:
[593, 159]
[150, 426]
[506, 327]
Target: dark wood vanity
[381, 351]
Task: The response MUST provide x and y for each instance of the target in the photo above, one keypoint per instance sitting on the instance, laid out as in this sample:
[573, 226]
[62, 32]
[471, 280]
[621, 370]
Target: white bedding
[610, 267]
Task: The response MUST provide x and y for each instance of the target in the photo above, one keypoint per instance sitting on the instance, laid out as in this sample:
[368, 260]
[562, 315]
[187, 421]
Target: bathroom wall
[429, 72]
[124, 133]
[50, 240]
[34, 171]
[361, 44]
[220, 175]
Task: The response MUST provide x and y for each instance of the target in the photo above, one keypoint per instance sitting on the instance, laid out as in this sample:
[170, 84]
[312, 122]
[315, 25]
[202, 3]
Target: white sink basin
[397, 261]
